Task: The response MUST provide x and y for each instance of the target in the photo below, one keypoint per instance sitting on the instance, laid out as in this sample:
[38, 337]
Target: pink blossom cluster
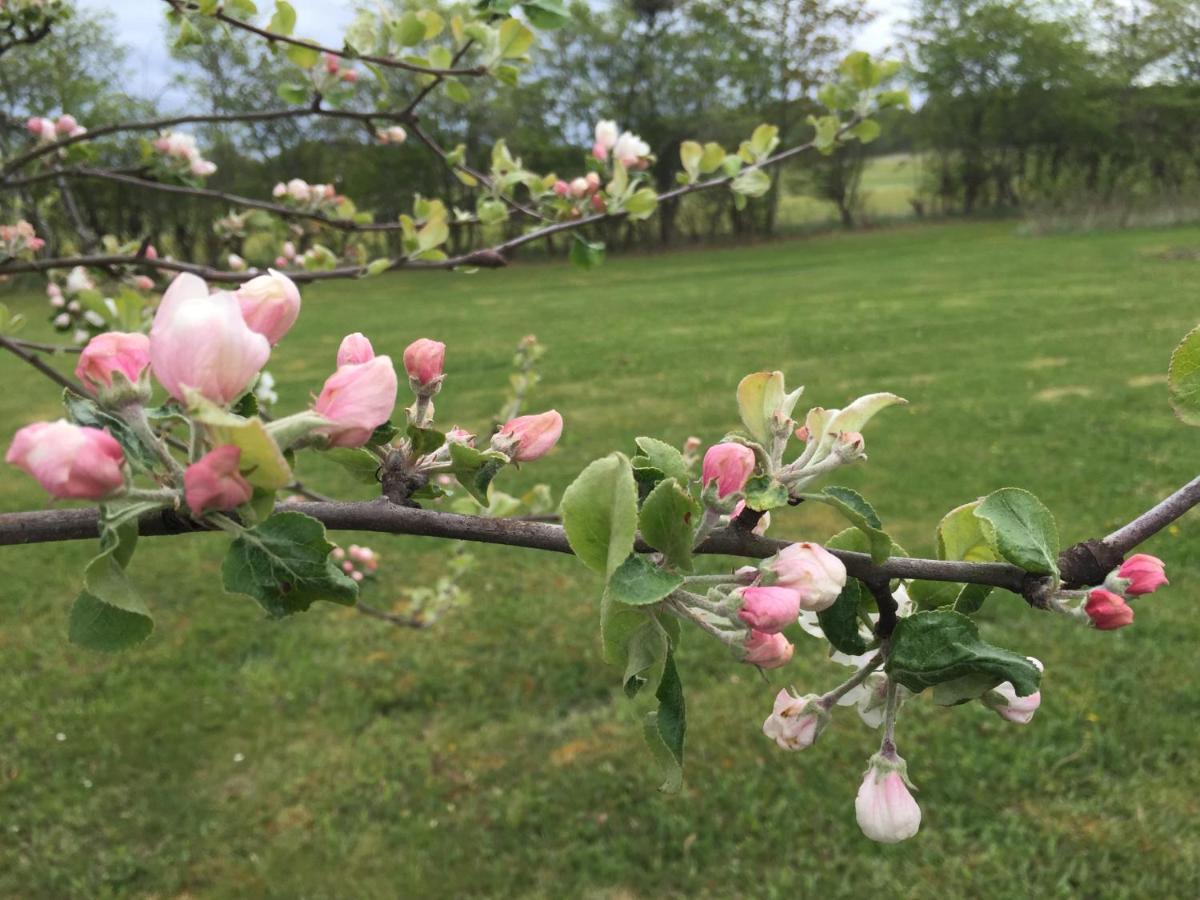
[18, 239]
[181, 152]
[287, 255]
[300, 193]
[1108, 607]
[356, 561]
[584, 188]
[622, 147]
[47, 131]
[333, 66]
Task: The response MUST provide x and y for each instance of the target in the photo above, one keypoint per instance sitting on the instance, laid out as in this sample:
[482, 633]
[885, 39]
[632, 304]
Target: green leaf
[362, 465]
[284, 564]
[666, 728]
[637, 582]
[599, 512]
[586, 254]
[964, 689]
[760, 397]
[1183, 378]
[434, 23]
[641, 204]
[546, 14]
[751, 182]
[861, 70]
[929, 648]
[515, 39]
[290, 92]
[668, 522]
[378, 266]
[660, 455]
[303, 55]
[645, 654]
[860, 514]
[714, 155]
[284, 19]
[262, 463]
[960, 536]
[475, 469]
[109, 614]
[866, 130]
[840, 621]
[690, 155]
[764, 493]
[971, 598]
[1021, 530]
[425, 440]
[408, 30]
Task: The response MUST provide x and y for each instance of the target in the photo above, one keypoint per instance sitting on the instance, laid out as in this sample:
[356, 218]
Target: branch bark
[385, 517]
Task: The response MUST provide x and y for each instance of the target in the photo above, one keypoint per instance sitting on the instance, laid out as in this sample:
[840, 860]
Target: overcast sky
[140, 26]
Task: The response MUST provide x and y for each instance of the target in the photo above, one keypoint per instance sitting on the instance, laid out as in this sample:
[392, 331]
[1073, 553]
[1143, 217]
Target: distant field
[889, 182]
[334, 756]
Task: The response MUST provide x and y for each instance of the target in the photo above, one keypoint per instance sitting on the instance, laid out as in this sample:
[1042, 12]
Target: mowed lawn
[331, 755]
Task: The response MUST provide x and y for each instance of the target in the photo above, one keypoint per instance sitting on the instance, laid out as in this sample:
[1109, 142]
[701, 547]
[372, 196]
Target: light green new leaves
[1021, 530]
[854, 418]
[662, 457]
[761, 397]
[752, 182]
[546, 14]
[666, 728]
[109, 614]
[960, 536]
[668, 523]
[600, 514]
[940, 646]
[691, 154]
[1183, 379]
[261, 462]
[284, 564]
[284, 19]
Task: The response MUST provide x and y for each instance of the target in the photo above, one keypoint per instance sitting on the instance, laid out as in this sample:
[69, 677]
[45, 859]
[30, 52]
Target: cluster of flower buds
[47, 131]
[180, 153]
[1109, 606]
[300, 193]
[586, 188]
[393, 135]
[333, 70]
[67, 308]
[356, 561]
[19, 240]
[622, 147]
[287, 255]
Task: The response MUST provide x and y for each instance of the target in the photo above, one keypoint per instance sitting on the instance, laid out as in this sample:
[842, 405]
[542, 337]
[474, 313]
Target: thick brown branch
[273, 115]
[286, 212]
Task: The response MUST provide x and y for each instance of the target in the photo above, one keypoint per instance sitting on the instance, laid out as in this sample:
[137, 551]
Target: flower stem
[888, 746]
[828, 700]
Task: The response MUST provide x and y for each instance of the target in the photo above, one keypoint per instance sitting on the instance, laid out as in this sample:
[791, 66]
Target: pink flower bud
[279, 190]
[561, 188]
[593, 181]
[270, 304]
[357, 399]
[288, 250]
[1145, 574]
[53, 290]
[811, 570]
[599, 204]
[458, 435]
[850, 446]
[885, 807]
[606, 133]
[579, 188]
[214, 481]
[150, 253]
[355, 349]
[729, 465]
[599, 152]
[66, 124]
[331, 63]
[767, 651]
[338, 553]
[350, 76]
[796, 722]
[1108, 611]
[143, 282]
[34, 125]
[529, 437]
[357, 576]
[423, 361]
[109, 353]
[347, 567]
[236, 263]
[280, 262]
[202, 342]
[202, 167]
[71, 462]
[768, 609]
[1003, 700]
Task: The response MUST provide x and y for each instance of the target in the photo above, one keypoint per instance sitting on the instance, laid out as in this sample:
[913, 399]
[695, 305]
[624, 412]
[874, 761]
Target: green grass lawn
[331, 755]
